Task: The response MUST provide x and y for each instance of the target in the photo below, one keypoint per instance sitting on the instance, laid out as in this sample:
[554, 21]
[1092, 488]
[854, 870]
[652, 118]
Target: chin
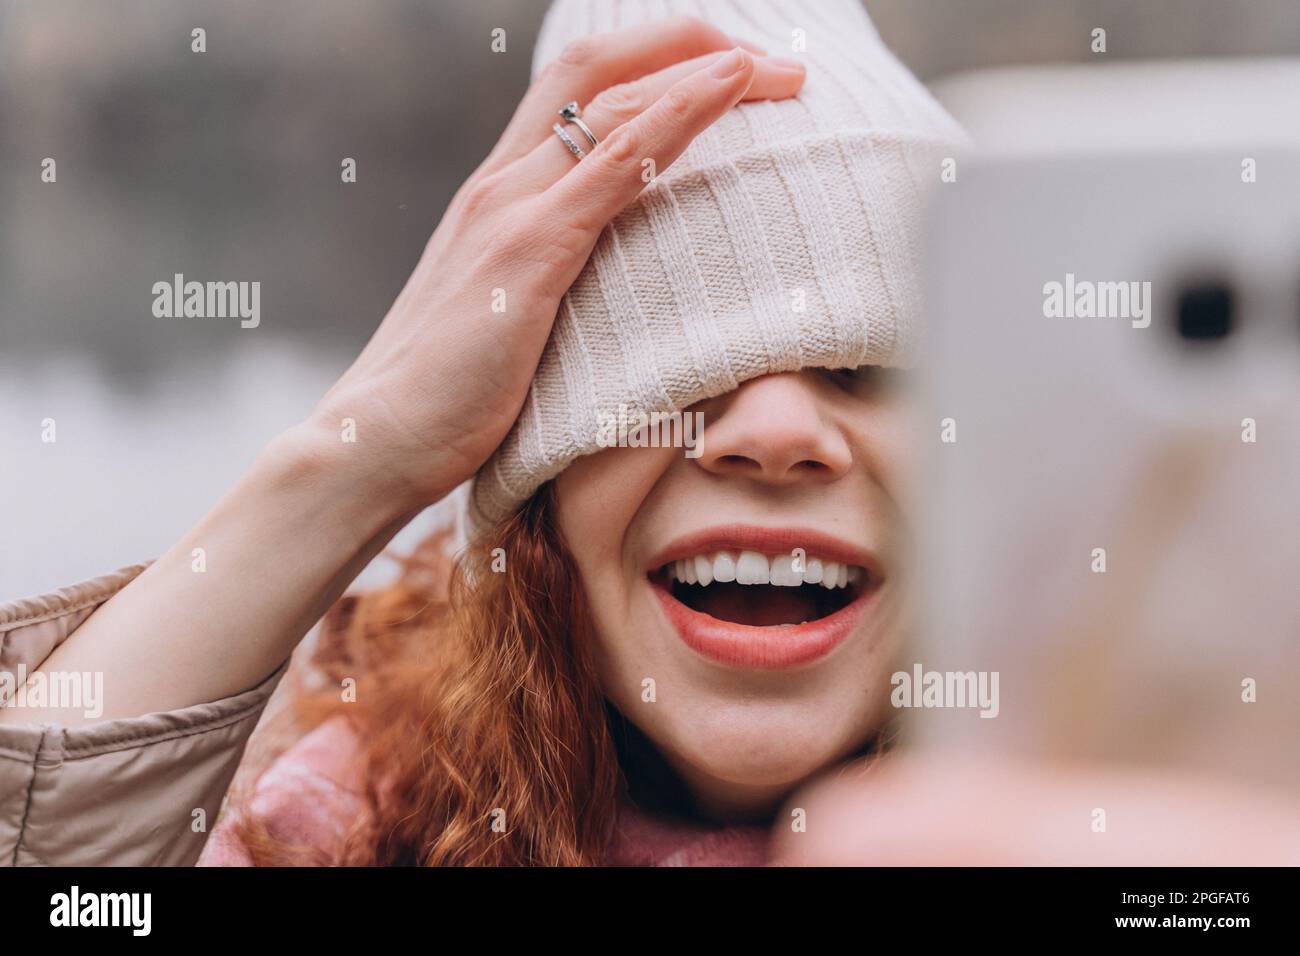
[758, 728]
[762, 744]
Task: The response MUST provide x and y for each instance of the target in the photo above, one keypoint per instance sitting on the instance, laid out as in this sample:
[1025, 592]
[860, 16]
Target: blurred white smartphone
[1112, 449]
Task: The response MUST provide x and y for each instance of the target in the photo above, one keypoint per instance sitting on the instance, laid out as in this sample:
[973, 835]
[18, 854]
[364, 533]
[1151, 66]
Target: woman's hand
[441, 382]
[433, 393]
[934, 810]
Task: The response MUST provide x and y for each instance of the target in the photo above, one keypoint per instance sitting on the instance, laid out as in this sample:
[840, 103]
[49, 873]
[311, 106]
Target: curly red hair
[477, 703]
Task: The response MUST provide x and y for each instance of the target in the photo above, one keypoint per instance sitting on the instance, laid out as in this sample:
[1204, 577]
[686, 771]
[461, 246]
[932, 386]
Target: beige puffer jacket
[119, 792]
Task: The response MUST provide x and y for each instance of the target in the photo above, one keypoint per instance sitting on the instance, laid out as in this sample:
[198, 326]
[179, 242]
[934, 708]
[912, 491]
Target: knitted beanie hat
[785, 237]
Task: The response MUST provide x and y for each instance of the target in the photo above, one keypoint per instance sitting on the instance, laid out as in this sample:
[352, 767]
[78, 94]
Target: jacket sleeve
[138, 791]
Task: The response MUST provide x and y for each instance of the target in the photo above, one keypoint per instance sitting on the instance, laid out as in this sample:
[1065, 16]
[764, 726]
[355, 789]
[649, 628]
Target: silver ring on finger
[573, 114]
[569, 142]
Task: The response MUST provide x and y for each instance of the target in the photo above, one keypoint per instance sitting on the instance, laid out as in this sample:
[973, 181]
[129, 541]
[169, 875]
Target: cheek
[599, 495]
[890, 436]
[598, 498]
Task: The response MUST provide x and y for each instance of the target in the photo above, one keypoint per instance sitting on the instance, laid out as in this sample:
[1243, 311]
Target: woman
[747, 283]
[645, 649]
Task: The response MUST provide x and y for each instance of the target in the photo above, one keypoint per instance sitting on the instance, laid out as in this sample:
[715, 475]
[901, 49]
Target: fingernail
[730, 64]
[786, 63]
[749, 45]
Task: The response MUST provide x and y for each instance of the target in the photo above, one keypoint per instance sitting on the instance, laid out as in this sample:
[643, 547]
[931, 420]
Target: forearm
[229, 602]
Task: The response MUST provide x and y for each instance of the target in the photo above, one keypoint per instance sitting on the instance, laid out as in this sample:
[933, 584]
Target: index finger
[611, 175]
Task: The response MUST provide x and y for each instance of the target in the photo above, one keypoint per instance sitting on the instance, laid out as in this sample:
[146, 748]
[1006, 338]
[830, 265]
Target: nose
[774, 429]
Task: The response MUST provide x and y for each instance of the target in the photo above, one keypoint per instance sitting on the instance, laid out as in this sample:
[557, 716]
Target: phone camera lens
[1205, 311]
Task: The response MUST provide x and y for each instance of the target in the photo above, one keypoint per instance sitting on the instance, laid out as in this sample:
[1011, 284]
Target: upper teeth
[751, 567]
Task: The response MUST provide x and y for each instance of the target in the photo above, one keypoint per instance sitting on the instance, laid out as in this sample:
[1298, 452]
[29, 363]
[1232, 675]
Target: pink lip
[764, 648]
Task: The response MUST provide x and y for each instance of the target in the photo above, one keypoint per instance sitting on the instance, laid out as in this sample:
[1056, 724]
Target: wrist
[318, 459]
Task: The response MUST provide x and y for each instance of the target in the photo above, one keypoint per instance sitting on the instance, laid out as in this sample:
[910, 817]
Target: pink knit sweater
[313, 792]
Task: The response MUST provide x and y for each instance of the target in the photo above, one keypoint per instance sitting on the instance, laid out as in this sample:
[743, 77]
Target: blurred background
[225, 166]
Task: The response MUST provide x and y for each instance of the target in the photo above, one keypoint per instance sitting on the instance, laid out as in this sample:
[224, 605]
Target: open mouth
[759, 590]
[757, 598]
